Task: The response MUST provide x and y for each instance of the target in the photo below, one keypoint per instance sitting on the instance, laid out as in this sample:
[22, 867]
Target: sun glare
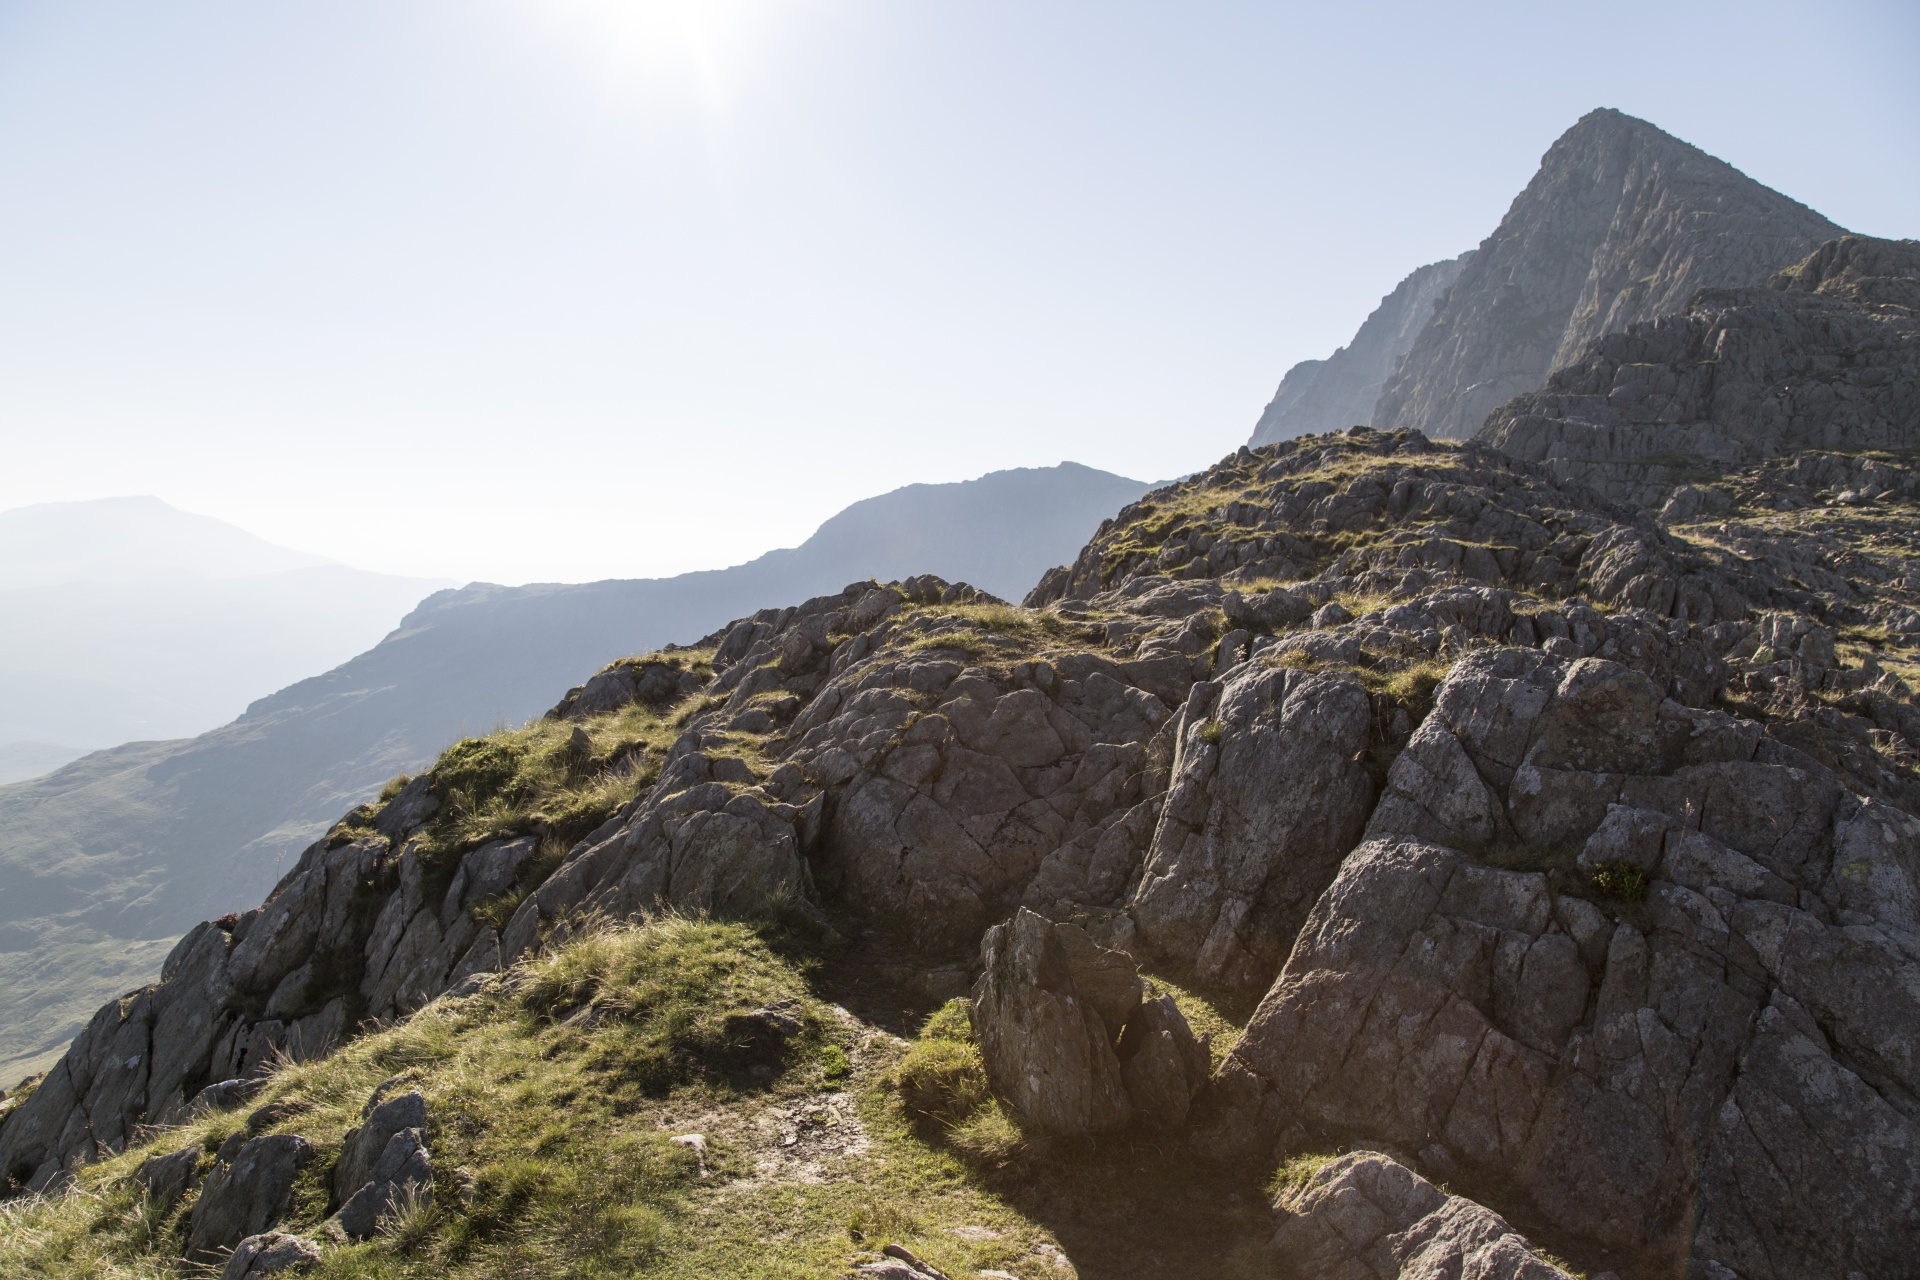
[657, 43]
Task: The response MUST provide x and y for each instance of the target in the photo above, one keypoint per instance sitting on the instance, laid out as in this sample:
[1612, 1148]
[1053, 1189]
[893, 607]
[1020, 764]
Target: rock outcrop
[270, 1253]
[1365, 1216]
[1826, 357]
[1339, 391]
[1462, 992]
[1068, 1040]
[249, 1191]
[1623, 223]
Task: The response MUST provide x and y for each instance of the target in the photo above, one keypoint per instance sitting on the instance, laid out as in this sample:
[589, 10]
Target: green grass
[1625, 881]
[552, 1135]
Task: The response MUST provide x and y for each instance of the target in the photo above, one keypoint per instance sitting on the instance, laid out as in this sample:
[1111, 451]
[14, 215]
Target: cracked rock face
[1828, 357]
[246, 1194]
[1270, 789]
[1458, 994]
[1365, 1216]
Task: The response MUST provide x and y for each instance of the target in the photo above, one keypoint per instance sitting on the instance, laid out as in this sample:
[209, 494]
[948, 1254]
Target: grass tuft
[1625, 881]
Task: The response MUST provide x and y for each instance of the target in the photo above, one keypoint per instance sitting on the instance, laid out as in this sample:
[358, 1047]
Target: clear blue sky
[560, 289]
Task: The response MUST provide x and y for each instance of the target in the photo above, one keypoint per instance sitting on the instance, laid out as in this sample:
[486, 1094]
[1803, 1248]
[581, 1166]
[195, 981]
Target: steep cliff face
[1826, 357]
[1576, 858]
[1339, 392]
[1622, 223]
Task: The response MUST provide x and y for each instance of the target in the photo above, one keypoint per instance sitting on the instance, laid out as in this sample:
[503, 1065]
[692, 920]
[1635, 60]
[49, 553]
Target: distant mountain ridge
[131, 539]
[128, 619]
[101, 859]
[1622, 223]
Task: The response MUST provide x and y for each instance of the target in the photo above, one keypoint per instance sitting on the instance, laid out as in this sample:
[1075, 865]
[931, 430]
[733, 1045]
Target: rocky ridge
[1622, 224]
[1339, 391]
[1569, 856]
[1826, 357]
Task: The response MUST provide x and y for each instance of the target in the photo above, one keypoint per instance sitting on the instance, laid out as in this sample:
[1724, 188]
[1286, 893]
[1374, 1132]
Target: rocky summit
[1622, 224]
[1373, 857]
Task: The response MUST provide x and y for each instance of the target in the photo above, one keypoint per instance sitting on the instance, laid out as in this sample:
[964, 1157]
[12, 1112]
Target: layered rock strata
[1826, 357]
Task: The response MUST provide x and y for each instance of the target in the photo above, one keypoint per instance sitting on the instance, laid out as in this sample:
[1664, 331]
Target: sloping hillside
[1567, 861]
[103, 860]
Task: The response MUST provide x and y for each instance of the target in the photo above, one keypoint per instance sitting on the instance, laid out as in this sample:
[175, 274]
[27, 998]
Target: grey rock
[1236, 861]
[167, 1179]
[402, 1175]
[1045, 1048]
[268, 1254]
[1738, 375]
[1365, 1216]
[1623, 1071]
[364, 1146]
[1164, 1066]
[246, 1195]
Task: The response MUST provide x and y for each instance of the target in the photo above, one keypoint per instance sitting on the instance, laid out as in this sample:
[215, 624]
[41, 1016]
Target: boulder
[1163, 1065]
[1366, 1216]
[1045, 1047]
[1663, 1077]
[269, 1253]
[167, 1179]
[402, 1174]
[365, 1145]
[246, 1195]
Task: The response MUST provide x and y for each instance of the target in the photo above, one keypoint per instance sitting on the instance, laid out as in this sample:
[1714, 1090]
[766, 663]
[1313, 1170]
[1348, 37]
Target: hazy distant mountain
[125, 619]
[104, 860]
[1621, 223]
[1338, 392]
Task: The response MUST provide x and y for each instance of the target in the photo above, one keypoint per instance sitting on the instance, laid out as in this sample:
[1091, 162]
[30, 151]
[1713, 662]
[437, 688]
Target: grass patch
[1287, 1182]
[1621, 880]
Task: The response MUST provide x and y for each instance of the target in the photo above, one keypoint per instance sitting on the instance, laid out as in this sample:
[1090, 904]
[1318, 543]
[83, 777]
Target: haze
[523, 290]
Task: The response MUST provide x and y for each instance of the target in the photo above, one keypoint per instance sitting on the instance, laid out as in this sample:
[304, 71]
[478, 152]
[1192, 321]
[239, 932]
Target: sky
[555, 290]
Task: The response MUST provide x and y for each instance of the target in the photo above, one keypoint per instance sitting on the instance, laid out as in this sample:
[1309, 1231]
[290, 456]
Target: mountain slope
[137, 843]
[1340, 391]
[1827, 357]
[1621, 223]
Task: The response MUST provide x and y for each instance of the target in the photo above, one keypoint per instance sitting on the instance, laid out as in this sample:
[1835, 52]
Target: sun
[709, 42]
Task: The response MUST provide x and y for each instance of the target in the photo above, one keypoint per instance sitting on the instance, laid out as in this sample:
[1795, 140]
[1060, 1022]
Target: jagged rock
[1104, 978]
[268, 1254]
[405, 813]
[657, 684]
[402, 1174]
[1622, 223]
[1045, 1048]
[945, 817]
[246, 1195]
[1365, 1216]
[1622, 1065]
[1823, 359]
[364, 1147]
[1270, 789]
[1163, 1065]
[167, 1179]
